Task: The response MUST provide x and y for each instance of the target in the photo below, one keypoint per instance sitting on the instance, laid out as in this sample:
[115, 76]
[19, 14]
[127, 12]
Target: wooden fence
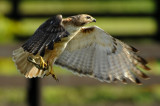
[152, 51]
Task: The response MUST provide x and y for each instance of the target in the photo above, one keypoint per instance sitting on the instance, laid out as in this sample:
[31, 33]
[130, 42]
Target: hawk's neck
[70, 26]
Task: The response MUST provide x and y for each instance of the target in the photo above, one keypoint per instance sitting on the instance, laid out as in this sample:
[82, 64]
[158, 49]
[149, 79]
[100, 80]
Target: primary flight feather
[87, 51]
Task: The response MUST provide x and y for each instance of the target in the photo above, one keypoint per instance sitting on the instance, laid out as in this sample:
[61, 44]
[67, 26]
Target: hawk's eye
[88, 17]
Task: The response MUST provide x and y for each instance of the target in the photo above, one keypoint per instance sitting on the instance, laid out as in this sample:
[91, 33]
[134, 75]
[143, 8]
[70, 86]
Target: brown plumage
[85, 50]
[87, 30]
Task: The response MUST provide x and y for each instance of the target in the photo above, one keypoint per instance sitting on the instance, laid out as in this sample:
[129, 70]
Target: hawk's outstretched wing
[95, 53]
[45, 36]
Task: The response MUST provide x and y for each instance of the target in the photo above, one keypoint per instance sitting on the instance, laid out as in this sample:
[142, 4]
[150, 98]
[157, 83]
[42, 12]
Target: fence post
[15, 10]
[33, 94]
[33, 90]
[157, 16]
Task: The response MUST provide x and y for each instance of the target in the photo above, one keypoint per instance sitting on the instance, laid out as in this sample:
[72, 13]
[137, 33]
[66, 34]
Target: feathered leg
[43, 66]
[51, 71]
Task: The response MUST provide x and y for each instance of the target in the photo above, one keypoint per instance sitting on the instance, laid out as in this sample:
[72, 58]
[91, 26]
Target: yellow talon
[43, 66]
[52, 73]
[47, 73]
[54, 76]
[42, 63]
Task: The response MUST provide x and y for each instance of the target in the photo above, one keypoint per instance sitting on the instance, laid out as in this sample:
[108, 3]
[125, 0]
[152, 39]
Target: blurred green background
[125, 19]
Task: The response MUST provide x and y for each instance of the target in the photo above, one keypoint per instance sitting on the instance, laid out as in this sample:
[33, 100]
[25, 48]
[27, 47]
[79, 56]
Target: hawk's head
[82, 19]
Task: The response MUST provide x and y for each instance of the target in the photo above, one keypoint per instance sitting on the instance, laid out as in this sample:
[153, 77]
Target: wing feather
[45, 36]
[97, 54]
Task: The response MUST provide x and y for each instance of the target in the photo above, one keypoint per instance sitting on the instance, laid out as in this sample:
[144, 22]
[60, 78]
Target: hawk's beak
[94, 20]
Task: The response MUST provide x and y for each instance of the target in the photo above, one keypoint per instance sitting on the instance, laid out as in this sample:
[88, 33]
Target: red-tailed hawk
[88, 51]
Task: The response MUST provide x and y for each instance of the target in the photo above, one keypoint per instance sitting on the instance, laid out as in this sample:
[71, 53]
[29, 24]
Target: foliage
[100, 95]
[12, 96]
[65, 7]
[7, 67]
[80, 95]
[11, 70]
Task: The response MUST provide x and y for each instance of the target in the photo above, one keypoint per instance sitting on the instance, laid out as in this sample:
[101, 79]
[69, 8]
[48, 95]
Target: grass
[100, 95]
[115, 26]
[155, 67]
[12, 96]
[75, 7]
[63, 6]
[7, 29]
[126, 26]
[5, 7]
[8, 68]
[86, 95]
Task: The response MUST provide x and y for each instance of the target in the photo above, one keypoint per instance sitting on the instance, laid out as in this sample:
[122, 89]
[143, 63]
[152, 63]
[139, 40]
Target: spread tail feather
[24, 66]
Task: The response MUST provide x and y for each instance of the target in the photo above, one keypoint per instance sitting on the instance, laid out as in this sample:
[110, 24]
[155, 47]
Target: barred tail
[24, 66]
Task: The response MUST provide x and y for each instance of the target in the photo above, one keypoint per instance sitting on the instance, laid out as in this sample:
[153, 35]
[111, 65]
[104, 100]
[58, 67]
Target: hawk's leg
[42, 66]
[51, 72]
[32, 60]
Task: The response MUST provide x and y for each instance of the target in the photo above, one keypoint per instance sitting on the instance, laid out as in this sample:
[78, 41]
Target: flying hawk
[88, 51]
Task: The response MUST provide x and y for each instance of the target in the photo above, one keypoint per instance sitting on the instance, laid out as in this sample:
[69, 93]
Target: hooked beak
[94, 20]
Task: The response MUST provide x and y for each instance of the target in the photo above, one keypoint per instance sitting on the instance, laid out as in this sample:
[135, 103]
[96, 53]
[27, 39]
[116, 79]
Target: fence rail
[67, 80]
[146, 51]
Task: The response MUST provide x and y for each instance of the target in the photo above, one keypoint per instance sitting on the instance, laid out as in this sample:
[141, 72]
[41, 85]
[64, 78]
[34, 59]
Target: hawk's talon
[30, 59]
[42, 63]
[52, 73]
[54, 76]
[42, 66]
[46, 66]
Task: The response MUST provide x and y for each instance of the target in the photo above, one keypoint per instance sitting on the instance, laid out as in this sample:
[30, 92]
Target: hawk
[88, 51]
